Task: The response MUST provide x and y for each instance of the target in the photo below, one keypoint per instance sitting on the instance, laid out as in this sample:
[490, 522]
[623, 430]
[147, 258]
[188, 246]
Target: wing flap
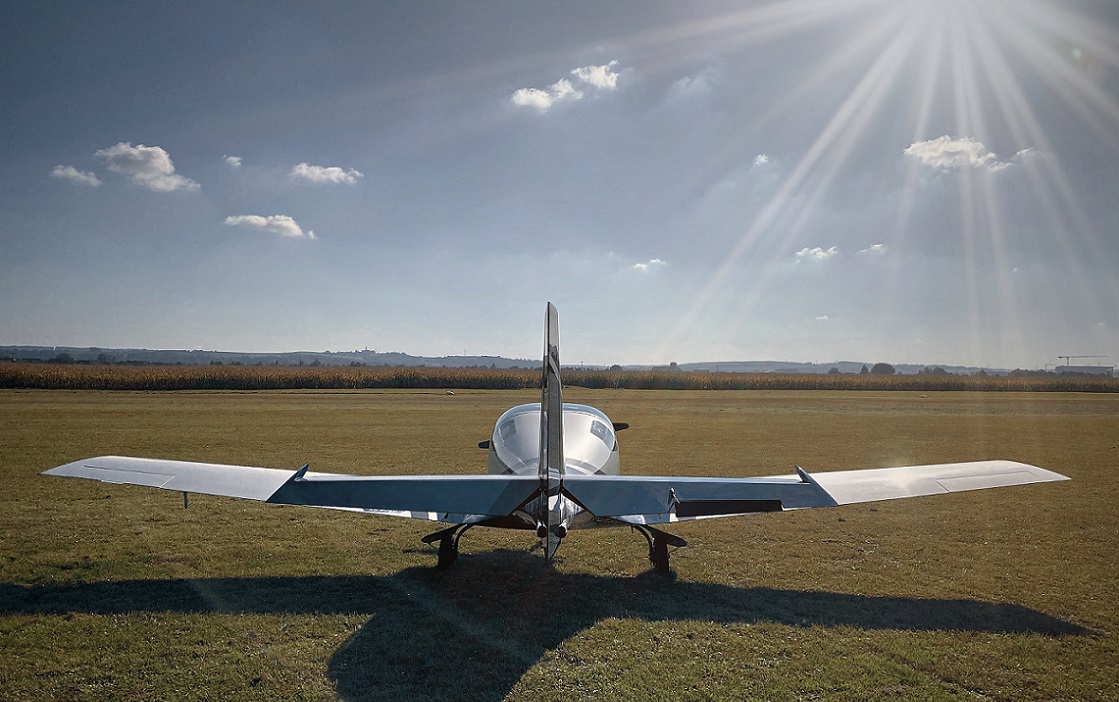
[688, 509]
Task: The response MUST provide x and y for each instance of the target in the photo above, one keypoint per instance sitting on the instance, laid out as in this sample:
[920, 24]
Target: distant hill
[71, 354]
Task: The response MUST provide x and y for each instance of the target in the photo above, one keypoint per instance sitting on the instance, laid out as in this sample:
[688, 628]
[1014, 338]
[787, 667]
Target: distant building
[1084, 370]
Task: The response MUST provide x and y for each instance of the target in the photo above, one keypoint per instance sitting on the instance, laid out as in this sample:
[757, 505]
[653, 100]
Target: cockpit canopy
[589, 444]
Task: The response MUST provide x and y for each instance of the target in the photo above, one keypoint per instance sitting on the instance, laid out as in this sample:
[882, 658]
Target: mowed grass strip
[117, 592]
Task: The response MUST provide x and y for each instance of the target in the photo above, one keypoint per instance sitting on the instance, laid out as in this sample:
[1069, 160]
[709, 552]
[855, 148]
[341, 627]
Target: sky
[907, 181]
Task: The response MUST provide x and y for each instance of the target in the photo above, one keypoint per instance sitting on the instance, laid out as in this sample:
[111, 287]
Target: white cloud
[277, 224]
[326, 174]
[532, 97]
[149, 166]
[947, 153]
[816, 254]
[560, 91]
[822, 318]
[594, 77]
[874, 249]
[652, 264]
[601, 77]
[761, 160]
[232, 161]
[73, 174]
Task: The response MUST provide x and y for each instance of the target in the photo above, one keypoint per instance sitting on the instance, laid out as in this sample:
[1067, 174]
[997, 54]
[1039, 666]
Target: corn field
[127, 377]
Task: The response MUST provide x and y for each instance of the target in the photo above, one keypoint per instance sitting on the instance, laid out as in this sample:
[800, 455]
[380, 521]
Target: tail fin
[551, 400]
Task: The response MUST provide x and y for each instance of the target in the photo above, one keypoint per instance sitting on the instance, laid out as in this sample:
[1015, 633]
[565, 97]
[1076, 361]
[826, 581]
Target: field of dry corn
[231, 377]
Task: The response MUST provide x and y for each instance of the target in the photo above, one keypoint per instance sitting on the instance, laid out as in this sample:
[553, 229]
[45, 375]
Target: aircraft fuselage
[590, 447]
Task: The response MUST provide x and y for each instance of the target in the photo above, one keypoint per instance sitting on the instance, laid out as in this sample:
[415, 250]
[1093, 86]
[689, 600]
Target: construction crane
[1069, 358]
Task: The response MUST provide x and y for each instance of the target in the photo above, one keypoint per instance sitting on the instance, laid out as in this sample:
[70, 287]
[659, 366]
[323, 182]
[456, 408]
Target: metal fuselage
[589, 448]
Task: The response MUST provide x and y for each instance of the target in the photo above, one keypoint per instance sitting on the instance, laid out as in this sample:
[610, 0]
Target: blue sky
[921, 181]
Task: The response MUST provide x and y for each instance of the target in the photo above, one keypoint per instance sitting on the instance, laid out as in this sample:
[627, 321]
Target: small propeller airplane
[553, 467]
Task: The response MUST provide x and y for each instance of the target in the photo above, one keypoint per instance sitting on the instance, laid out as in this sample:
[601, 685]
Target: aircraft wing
[442, 498]
[658, 500]
[633, 499]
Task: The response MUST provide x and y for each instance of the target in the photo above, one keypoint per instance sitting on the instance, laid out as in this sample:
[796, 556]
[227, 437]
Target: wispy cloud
[947, 154]
[694, 87]
[148, 166]
[595, 78]
[874, 249]
[232, 161]
[689, 87]
[761, 160]
[276, 224]
[816, 254]
[652, 264]
[74, 175]
[326, 174]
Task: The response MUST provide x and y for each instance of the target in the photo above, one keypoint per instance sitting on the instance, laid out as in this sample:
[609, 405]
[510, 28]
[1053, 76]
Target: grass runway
[117, 592]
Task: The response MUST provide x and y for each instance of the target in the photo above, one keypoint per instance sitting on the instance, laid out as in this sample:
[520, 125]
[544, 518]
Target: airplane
[553, 467]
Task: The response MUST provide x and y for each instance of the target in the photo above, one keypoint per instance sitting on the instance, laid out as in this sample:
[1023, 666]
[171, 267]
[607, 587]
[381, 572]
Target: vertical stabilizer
[550, 527]
[551, 399]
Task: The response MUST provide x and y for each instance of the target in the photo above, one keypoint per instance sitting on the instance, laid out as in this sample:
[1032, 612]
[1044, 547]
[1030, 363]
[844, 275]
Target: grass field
[116, 592]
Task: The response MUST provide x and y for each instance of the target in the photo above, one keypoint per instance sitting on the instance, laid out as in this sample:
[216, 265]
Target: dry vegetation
[155, 377]
[116, 592]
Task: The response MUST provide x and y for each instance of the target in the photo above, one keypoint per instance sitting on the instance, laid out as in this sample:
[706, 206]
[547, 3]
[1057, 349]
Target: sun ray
[1084, 96]
[961, 56]
[929, 63]
[1025, 127]
[830, 149]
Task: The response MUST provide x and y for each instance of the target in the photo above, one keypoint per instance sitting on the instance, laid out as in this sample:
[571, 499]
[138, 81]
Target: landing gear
[659, 541]
[448, 552]
[448, 543]
[659, 555]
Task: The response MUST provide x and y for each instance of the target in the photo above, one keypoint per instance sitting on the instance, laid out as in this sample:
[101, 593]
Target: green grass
[117, 592]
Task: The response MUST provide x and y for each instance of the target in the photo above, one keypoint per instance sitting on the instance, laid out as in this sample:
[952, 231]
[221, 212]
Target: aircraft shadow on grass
[472, 632]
